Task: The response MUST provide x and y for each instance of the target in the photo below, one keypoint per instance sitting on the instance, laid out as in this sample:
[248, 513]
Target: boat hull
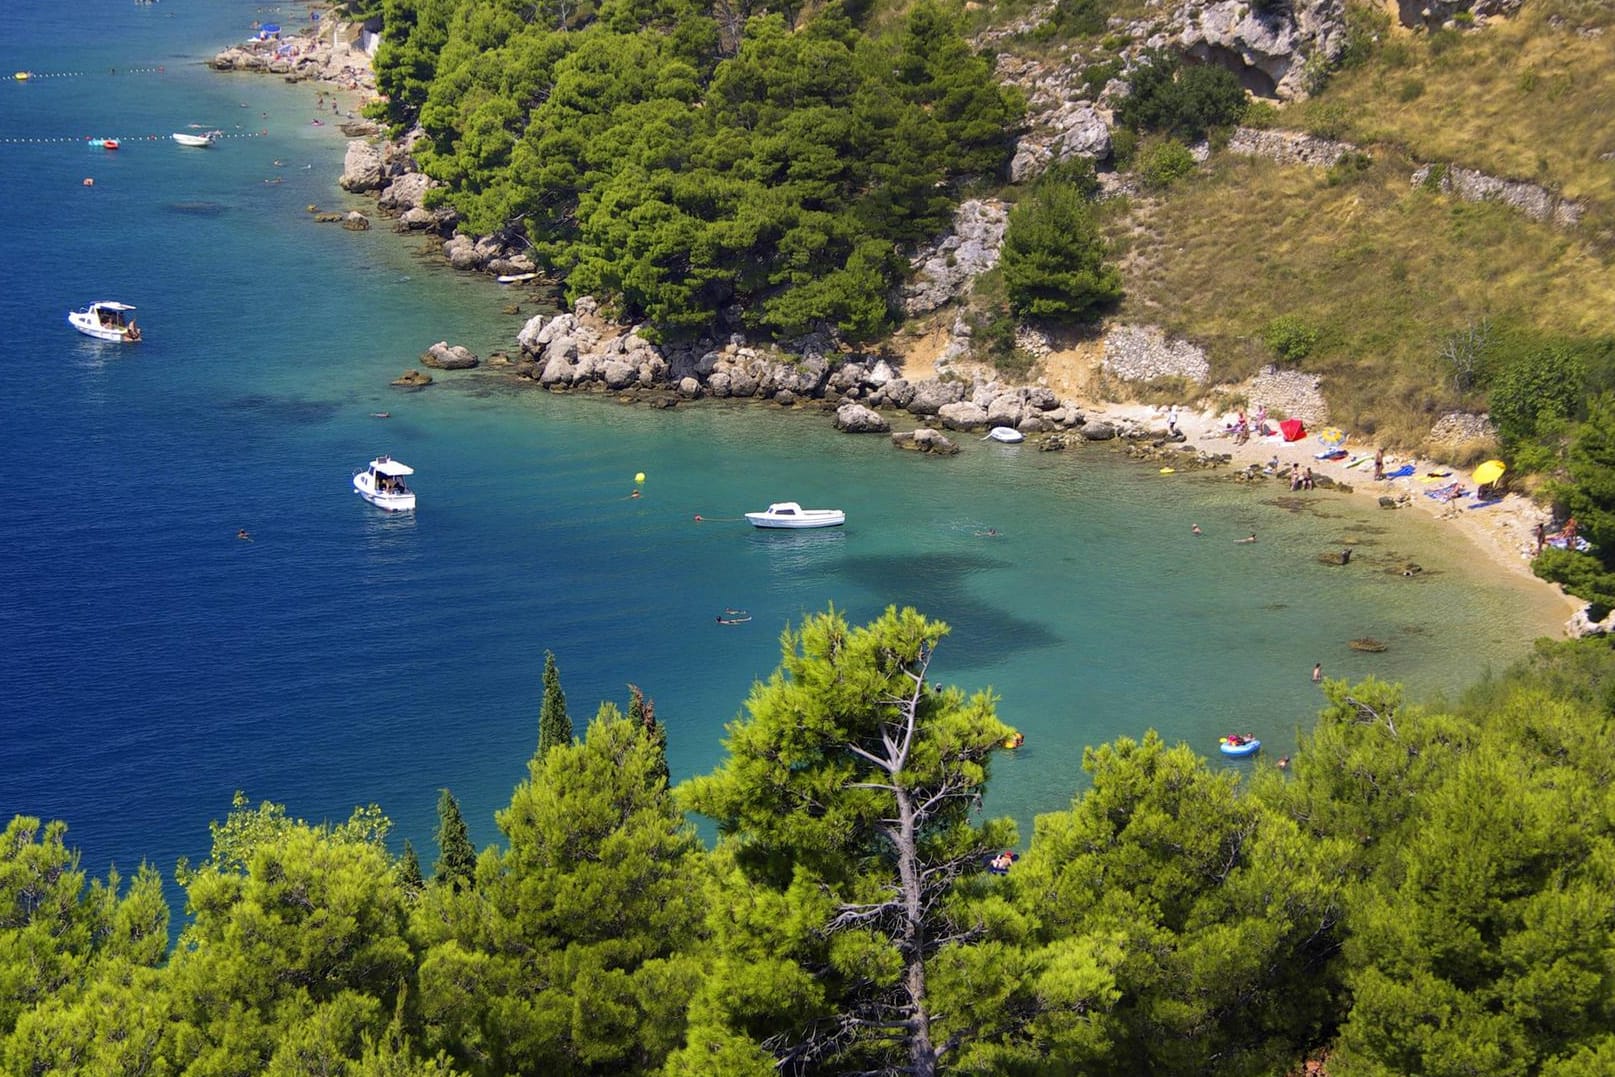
[195, 141]
[1240, 751]
[90, 327]
[825, 518]
[1006, 434]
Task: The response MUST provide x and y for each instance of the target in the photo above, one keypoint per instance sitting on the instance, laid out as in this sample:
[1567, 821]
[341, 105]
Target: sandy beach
[1504, 530]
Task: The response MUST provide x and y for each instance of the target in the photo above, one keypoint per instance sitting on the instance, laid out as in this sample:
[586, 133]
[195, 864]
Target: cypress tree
[456, 857]
[554, 725]
[642, 713]
[409, 870]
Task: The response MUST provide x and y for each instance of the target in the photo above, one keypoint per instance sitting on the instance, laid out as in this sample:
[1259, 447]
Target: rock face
[1062, 122]
[444, 356]
[1268, 51]
[1537, 203]
[944, 271]
[1581, 625]
[413, 379]
[362, 167]
[355, 221]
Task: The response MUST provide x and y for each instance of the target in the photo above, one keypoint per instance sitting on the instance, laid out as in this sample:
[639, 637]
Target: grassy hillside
[1384, 272]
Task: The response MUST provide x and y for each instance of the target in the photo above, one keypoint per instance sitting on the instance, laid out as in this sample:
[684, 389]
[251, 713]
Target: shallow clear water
[151, 663]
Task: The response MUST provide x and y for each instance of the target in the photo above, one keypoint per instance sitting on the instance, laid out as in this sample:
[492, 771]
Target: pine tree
[456, 856]
[554, 724]
[848, 805]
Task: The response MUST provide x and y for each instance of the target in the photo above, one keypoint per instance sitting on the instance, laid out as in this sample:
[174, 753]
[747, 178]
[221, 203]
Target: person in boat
[133, 330]
[1235, 740]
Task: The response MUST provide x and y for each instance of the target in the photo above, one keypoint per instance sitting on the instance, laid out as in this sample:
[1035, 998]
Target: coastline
[1502, 531]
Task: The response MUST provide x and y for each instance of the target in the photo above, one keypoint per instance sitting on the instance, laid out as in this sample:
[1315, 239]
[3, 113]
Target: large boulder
[963, 415]
[618, 373]
[931, 394]
[1005, 410]
[1098, 430]
[460, 252]
[559, 371]
[857, 419]
[362, 167]
[446, 356]
[1071, 129]
[407, 192]
[925, 440]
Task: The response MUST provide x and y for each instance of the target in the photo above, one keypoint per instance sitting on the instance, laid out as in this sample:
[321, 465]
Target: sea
[153, 663]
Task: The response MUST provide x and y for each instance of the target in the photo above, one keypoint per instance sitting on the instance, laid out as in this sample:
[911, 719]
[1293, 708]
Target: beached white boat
[105, 320]
[1007, 434]
[382, 484]
[198, 141]
[516, 278]
[790, 514]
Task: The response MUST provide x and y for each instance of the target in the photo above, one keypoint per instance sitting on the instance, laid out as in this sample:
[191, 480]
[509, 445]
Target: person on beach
[1307, 481]
[1317, 673]
[1172, 420]
[1295, 477]
[1541, 537]
[1379, 464]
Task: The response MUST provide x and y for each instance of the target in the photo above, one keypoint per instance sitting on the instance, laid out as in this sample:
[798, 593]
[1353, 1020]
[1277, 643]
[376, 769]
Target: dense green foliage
[554, 723]
[1423, 892]
[1185, 101]
[676, 162]
[1053, 259]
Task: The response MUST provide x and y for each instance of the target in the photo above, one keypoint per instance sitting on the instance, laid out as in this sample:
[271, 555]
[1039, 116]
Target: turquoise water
[151, 663]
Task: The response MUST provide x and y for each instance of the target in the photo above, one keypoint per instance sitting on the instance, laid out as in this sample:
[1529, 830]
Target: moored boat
[106, 320]
[1006, 434]
[788, 514]
[198, 141]
[382, 484]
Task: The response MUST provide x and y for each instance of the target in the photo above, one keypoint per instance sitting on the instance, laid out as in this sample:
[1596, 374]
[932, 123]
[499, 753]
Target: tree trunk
[922, 1053]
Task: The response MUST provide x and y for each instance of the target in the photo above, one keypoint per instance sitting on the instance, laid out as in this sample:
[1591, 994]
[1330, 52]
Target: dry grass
[1526, 99]
[1382, 270]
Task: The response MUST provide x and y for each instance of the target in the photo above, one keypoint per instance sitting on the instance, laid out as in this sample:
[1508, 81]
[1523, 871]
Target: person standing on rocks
[1172, 420]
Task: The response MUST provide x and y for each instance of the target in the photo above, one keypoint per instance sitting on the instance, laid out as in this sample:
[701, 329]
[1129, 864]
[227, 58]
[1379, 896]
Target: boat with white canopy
[382, 484]
[106, 320]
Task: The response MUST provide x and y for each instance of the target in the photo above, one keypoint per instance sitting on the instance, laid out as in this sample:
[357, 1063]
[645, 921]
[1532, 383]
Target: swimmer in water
[1194, 529]
[1252, 538]
[381, 415]
[243, 536]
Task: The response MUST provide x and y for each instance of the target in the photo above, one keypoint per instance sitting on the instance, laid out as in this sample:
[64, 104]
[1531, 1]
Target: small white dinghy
[382, 484]
[1006, 434]
[516, 278]
[791, 515]
[106, 320]
[201, 141]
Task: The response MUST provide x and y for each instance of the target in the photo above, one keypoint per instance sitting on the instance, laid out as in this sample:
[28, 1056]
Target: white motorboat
[105, 320]
[1007, 434]
[790, 514]
[516, 278]
[382, 484]
[199, 141]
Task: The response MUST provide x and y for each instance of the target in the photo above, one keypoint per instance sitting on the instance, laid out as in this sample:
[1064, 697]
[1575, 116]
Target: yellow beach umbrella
[1490, 471]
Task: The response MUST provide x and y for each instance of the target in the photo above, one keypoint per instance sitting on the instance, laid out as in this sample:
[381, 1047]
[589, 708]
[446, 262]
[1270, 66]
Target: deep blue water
[151, 663]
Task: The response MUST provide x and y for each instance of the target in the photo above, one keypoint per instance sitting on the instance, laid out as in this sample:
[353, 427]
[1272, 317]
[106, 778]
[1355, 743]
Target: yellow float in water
[1169, 471]
[639, 476]
[22, 76]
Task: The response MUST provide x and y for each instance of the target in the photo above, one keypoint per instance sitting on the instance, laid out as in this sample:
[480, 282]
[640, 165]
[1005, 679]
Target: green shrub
[1261, 114]
[1162, 165]
[1123, 146]
[1290, 338]
[1535, 386]
[1096, 76]
[1053, 261]
[1410, 90]
[1184, 102]
[1442, 41]
[1082, 18]
[1352, 165]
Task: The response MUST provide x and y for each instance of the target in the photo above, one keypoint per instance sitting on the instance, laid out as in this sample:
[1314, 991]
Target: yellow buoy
[21, 76]
[639, 476]
[1169, 471]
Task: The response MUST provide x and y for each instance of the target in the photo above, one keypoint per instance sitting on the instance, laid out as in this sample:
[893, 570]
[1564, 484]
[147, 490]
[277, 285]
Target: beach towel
[1559, 542]
[1400, 473]
[1450, 492]
[1332, 454]
[1293, 430]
